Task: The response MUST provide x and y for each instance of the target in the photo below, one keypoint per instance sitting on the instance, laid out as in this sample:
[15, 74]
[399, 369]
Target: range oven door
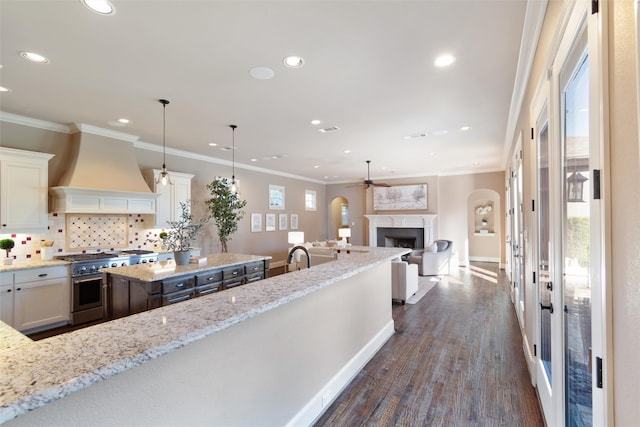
[88, 299]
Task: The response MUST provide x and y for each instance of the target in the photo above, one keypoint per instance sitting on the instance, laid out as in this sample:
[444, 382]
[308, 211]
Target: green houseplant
[7, 245]
[180, 234]
[226, 209]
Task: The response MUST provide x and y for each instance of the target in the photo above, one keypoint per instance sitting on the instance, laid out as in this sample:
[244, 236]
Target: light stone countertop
[33, 263]
[36, 373]
[165, 269]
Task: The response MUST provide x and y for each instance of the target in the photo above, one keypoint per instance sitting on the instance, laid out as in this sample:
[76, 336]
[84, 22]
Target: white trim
[94, 130]
[484, 259]
[533, 20]
[34, 123]
[332, 389]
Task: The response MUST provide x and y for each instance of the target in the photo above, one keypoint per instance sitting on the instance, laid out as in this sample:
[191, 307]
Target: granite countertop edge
[302, 286]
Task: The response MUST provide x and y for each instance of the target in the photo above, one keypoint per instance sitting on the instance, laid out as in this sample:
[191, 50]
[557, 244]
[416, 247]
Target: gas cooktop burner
[87, 257]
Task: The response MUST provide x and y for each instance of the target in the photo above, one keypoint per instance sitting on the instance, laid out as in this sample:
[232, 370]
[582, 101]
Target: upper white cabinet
[169, 196]
[24, 181]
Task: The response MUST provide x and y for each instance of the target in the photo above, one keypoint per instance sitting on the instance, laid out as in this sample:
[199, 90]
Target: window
[309, 200]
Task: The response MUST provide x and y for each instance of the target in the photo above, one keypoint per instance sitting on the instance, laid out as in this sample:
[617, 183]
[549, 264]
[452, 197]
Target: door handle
[547, 307]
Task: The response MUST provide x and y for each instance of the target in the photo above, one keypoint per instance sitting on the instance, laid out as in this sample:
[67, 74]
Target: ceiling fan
[368, 182]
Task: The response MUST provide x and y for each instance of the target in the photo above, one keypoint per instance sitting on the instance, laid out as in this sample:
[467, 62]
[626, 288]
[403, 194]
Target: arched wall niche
[484, 225]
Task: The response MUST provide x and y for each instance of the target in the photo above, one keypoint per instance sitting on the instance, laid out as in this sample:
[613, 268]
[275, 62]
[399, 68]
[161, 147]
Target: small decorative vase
[182, 257]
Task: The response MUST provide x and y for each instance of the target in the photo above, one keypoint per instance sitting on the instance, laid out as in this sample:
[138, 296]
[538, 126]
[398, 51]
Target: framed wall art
[294, 221]
[400, 197]
[270, 222]
[276, 197]
[256, 222]
[282, 221]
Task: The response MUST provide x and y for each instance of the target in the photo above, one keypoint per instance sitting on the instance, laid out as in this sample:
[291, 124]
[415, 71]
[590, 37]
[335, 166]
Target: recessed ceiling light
[316, 166]
[329, 129]
[444, 60]
[415, 136]
[124, 121]
[103, 7]
[347, 151]
[253, 160]
[261, 73]
[213, 144]
[315, 122]
[440, 132]
[476, 163]
[3, 89]
[293, 61]
[432, 154]
[34, 57]
[465, 128]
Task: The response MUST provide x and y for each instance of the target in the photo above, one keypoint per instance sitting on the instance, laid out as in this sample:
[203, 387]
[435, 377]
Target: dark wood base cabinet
[129, 296]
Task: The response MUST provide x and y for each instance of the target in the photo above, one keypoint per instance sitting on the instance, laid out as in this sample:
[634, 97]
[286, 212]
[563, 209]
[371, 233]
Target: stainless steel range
[89, 295]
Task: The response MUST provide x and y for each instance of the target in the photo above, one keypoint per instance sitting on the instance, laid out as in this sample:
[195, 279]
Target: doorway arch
[338, 216]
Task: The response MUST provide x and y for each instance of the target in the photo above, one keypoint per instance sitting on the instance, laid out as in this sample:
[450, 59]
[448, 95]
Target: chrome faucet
[294, 249]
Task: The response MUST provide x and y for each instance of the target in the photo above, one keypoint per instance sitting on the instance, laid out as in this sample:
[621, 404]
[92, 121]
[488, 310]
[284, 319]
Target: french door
[568, 121]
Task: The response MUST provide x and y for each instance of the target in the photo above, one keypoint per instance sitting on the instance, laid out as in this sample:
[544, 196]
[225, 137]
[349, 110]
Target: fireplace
[400, 237]
[401, 230]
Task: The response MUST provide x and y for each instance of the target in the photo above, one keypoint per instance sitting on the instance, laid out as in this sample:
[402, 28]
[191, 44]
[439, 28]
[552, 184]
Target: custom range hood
[103, 176]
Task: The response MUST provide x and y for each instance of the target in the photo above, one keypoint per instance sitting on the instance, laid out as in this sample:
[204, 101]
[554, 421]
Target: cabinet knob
[18, 289]
[43, 274]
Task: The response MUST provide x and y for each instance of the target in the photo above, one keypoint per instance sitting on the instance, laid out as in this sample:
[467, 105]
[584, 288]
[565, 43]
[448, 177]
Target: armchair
[404, 280]
[434, 259]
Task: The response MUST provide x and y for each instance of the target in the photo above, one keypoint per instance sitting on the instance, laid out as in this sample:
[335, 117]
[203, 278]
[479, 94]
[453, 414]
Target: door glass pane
[543, 246]
[576, 239]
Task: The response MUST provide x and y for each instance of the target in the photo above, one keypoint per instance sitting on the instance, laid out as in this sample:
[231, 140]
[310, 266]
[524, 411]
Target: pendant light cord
[164, 103]
[233, 153]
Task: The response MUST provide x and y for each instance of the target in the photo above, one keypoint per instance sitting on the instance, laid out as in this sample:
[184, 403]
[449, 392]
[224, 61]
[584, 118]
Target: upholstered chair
[433, 260]
[404, 280]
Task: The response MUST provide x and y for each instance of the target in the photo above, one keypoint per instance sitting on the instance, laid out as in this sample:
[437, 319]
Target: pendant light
[234, 184]
[163, 178]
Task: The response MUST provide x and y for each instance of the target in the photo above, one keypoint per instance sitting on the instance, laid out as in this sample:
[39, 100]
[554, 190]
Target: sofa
[433, 260]
[404, 280]
[320, 252]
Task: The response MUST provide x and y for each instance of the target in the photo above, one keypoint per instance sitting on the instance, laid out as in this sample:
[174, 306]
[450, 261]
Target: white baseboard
[327, 394]
[484, 259]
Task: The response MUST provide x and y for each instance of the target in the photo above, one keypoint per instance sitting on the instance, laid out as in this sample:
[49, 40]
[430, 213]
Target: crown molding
[94, 130]
[34, 123]
[532, 27]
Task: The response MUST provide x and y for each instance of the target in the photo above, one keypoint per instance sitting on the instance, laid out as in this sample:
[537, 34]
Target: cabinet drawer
[179, 296]
[254, 277]
[178, 284]
[234, 272]
[35, 274]
[208, 288]
[254, 267]
[209, 277]
[232, 283]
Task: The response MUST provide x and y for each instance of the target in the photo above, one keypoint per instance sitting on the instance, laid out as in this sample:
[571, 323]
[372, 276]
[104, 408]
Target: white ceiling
[368, 70]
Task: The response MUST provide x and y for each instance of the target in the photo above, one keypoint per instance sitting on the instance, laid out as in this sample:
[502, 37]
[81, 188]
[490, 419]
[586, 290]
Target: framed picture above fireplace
[400, 197]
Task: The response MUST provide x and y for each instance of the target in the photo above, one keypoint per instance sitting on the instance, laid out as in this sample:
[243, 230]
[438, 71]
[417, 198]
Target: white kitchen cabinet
[41, 298]
[6, 298]
[24, 182]
[170, 196]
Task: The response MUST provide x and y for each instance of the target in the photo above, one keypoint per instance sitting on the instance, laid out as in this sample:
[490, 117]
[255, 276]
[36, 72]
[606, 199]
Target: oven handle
[79, 280]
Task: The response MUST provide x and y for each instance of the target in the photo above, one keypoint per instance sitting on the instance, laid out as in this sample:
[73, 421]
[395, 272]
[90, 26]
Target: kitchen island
[273, 352]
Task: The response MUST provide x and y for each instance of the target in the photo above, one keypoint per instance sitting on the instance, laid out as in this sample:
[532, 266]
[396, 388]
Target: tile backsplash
[77, 233]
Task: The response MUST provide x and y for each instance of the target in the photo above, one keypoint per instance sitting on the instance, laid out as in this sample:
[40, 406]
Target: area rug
[425, 284]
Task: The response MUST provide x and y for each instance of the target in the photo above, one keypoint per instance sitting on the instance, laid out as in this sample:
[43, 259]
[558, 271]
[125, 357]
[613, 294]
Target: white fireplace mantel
[426, 222]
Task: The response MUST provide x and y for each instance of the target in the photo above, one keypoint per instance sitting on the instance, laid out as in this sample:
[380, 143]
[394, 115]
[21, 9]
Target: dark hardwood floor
[456, 359]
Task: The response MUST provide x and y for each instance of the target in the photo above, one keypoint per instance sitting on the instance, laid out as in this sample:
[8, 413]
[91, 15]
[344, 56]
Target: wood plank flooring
[456, 359]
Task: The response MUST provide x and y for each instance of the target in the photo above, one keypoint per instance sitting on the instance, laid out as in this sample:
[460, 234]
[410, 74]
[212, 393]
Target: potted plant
[7, 245]
[225, 207]
[180, 234]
